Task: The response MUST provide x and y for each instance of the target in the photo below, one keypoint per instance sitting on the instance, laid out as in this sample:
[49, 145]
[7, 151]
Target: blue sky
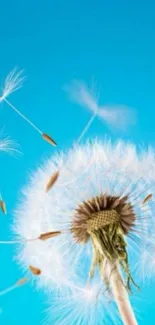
[56, 41]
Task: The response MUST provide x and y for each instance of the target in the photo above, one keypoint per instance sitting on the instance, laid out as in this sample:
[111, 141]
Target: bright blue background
[56, 41]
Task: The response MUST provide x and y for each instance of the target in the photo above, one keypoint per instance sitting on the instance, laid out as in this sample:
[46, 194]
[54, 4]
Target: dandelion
[100, 218]
[13, 82]
[116, 116]
[81, 233]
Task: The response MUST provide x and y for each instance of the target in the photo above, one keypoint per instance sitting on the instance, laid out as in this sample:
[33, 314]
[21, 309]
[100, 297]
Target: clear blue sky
[56, 41]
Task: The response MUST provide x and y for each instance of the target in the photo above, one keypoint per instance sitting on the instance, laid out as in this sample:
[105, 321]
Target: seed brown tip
[47, 138]
[22, 281]
[49, 235]
[3, 206]
[52, 181]
[34, 270]
[148, 197]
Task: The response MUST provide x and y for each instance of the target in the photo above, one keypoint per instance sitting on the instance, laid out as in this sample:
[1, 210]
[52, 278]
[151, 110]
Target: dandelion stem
[121, 296]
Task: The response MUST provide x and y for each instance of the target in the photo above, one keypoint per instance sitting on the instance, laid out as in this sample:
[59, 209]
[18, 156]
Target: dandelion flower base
[105, 220]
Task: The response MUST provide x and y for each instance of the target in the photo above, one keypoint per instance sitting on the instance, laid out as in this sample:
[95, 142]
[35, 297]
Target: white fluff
[12, 83]
[116, 116]
[85, 171]
[8, 145]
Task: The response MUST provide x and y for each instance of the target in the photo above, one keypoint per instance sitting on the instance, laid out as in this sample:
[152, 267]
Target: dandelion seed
[47, 138]
[52, 181]
[13, 82]
[97, 212]
[148, 197]
[116, 116]
[22, 281]
[44, 236]
[49, 235]
[19, 283]
[34, 270]
[3, 206]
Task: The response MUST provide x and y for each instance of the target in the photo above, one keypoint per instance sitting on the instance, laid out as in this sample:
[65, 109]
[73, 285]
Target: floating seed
[22, 281]
[47, 138]
[52, 181]
[35, 270]
[148, 197]
[3, 206]
[49, 235]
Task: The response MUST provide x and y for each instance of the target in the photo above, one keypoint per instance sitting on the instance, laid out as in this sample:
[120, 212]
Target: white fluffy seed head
[85, 171]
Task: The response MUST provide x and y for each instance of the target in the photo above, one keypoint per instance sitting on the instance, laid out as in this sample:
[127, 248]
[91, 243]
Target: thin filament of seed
[12, 242]
[23, 116]
[87, 127]
[18, 284]
[8, 289]
[77, 142]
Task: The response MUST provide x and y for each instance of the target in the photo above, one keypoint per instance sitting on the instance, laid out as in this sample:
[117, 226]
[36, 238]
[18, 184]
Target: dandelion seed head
[89, 171]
